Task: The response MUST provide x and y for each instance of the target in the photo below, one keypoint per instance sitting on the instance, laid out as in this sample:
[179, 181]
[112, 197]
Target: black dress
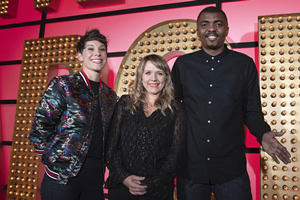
[150, 147]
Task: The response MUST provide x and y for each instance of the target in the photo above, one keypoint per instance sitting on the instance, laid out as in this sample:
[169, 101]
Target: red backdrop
[121, 23]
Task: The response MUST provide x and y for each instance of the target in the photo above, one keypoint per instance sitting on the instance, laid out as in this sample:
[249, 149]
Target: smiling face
[212, 29]
[153, 79]
[93, 58]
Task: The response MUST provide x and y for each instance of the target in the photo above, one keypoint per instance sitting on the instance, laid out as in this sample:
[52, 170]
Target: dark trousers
[236, 189]
[87, 185]
[121, 192]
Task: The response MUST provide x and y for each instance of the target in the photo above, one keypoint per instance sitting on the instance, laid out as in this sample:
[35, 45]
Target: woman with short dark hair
[71, 125]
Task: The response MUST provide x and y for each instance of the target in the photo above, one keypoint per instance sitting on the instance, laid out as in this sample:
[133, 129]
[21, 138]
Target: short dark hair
[93, 34]
[212, 9]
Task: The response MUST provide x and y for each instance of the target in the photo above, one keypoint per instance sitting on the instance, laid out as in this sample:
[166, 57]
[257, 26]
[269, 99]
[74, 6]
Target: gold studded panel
[39, 57]
[279, 49]
[4, 5]
[45, 4]
[8, 8]
[41, 3]
[168, 39]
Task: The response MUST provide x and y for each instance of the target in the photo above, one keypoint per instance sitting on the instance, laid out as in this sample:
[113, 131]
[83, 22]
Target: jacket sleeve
[47, 116]
[114, 161]
[170, 166]
[254, 118]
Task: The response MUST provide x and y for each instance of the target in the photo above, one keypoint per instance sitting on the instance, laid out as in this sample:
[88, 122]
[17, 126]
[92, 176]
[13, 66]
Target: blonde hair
[137, 91]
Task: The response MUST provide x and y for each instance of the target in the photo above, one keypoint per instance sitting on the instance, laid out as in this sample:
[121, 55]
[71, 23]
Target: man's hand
[135, 186]
[274, 148]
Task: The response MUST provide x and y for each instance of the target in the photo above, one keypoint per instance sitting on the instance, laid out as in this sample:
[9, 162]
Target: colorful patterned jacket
[62, 128]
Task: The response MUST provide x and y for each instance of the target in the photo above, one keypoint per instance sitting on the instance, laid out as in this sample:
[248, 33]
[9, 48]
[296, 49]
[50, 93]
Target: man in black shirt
[220, 92]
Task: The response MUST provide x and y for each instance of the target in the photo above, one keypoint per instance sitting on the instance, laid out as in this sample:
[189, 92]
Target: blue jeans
[236, 189]
[87, 185]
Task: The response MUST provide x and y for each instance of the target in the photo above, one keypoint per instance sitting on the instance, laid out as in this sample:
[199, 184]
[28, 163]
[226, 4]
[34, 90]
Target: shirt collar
[86, 80]
[220, 56]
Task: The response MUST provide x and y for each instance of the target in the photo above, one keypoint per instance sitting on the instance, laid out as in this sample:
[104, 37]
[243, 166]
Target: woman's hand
[134, 185]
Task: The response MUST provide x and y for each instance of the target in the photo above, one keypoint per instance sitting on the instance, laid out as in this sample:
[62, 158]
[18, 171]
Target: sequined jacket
[64, 122]
[151, 147]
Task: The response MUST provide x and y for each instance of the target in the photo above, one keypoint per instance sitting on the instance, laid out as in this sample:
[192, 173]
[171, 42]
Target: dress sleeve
[254, 118]
[114, 161]
[47, 116]
[170, 166]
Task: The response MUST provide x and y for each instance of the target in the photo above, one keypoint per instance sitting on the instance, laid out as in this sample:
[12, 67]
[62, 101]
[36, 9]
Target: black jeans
[87, 185]
[236, 189]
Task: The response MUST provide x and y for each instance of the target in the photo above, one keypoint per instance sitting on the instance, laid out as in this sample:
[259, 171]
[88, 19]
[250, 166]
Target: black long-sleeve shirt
[146, 146]
[96, 147]
[221, 95]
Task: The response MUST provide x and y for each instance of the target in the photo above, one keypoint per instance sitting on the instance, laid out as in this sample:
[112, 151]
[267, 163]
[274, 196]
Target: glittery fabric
[63, 124]
[150, 147]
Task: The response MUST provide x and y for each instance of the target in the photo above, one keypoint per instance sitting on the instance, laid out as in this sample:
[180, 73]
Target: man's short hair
[212, 9]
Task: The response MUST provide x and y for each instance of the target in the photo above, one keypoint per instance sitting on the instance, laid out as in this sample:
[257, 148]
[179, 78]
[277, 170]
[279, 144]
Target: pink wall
[121, 29]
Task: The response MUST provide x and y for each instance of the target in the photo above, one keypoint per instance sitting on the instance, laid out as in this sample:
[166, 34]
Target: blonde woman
[147, 136]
